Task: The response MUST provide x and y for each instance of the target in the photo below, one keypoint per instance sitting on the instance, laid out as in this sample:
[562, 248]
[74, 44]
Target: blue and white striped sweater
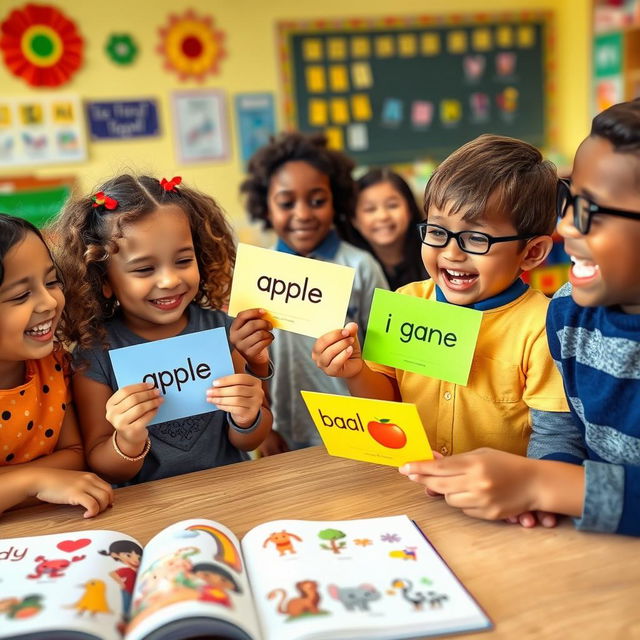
[597, 350]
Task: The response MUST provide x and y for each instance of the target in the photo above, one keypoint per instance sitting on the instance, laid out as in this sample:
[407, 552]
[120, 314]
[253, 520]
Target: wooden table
[533, 583]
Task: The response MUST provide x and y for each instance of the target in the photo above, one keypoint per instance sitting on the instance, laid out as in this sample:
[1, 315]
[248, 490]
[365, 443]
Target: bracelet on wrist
[249, 428]
[116, 448]
[255, 375]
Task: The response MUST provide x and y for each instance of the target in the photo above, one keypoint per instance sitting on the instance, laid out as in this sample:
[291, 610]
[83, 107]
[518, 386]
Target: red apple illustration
[387, 434]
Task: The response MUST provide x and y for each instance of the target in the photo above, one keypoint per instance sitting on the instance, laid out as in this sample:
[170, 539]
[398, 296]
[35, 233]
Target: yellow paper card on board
[300, 294]
[377, 431]
[318, 112]
[316, 80]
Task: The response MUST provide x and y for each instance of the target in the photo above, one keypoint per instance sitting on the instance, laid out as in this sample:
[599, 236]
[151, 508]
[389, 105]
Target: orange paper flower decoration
[191, 46]
[41, 45]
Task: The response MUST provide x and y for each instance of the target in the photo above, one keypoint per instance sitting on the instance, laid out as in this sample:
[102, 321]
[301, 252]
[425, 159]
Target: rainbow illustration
[227, 552]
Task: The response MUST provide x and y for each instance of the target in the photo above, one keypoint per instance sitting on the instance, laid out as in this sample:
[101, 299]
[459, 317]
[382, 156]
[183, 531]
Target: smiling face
[382, 216]
[465, 278]
[31, 302]
[154, 274]
[300, 205]
[606, 261]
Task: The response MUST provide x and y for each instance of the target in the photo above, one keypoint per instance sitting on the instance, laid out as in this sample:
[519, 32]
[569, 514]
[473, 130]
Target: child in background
[146, 260]
[42, 454]
[490, 212]
[589, 467]
[302, 190]
[384, 224]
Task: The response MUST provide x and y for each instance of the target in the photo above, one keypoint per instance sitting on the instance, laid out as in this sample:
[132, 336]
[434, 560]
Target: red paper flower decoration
[191, 46]
[41, 45]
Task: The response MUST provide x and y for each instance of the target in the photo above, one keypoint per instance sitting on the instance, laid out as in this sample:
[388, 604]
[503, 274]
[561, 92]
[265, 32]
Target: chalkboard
[399, 89]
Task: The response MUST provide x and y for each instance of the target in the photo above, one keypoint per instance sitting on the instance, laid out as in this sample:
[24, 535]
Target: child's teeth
[41, 329]
[584, 268]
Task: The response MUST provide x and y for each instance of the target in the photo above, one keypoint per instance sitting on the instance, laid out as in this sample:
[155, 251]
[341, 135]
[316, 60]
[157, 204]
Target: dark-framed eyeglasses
[475, 242]
[583, 208]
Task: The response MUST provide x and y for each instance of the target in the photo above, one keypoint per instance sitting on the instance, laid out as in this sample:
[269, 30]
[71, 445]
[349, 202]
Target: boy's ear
[535, 252]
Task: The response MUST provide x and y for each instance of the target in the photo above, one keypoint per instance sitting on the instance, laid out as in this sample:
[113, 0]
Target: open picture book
[286, 580]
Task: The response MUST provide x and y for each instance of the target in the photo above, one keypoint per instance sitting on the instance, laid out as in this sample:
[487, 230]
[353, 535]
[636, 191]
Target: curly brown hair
[299, 147]
[83, 237]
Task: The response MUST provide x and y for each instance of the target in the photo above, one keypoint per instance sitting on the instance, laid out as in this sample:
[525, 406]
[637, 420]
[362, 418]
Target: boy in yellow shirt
[490, 211]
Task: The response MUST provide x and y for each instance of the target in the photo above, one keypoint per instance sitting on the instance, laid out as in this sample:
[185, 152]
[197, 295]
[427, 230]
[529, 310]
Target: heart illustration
[73, 545]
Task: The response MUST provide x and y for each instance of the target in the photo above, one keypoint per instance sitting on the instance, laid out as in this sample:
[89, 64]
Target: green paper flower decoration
[121, 48]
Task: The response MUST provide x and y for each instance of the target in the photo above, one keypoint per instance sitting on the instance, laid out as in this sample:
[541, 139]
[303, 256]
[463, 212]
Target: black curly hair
[299, 147]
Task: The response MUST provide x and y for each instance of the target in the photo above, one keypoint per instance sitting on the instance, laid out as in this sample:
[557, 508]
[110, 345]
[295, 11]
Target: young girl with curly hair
[304, 191]
[144, 260]
[41, 451]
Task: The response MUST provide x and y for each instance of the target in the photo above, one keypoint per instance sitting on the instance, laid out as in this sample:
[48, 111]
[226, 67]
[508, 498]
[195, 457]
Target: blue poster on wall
[256, 122]
[122, 119]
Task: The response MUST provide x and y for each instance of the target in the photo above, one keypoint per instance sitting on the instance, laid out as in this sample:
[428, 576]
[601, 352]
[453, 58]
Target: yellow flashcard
[504, 36]
[316, 80]
[361, 75]
[407, 45]
[430, 44]
[62, 112]
[376, 431]
[312, 49]
[335, 138]
[526, 36]
[301, 295]
[32, 113]
[318, 112]
[338, 78]
[457, 41]
[384, 46]
[339, 111]
[360, 47]
[361, 106]
[481, 39]
[337, 48]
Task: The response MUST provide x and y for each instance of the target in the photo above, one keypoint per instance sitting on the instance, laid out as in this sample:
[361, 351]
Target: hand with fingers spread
[338, 352]
[129, 410]
[251, 336]
[60, 486]
[240, 394]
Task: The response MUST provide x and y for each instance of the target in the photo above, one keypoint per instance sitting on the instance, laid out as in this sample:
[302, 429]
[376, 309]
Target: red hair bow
[101, 199]
[170, 185]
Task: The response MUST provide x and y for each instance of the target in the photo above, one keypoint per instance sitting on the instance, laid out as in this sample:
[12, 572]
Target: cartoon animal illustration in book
[93, 600]
[354, 598]
[307, 603]
[282, 541]
[214, 583]
[419, 598]
[52, 568]
[332, 536]
[21, 608]
[408, 553]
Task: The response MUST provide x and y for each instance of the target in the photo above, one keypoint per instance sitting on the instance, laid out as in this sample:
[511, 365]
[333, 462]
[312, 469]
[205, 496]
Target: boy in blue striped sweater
[588, 468]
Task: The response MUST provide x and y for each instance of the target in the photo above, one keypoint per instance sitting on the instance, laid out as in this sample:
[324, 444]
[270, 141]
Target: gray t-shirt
[178, 446]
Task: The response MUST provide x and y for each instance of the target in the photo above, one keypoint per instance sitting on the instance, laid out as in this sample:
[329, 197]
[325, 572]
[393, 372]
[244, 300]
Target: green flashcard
[433, 338]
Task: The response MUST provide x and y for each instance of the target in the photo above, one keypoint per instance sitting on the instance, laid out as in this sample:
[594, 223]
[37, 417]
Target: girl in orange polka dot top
[41, 453]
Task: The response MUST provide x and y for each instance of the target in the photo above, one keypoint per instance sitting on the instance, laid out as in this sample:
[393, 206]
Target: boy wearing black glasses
[490, 212]
[590, 468]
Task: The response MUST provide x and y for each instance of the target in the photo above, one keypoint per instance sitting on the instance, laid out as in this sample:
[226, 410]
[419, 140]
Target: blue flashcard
[256, 120]
[183, 368]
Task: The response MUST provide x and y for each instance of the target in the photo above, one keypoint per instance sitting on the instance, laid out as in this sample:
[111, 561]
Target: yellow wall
[251, 65]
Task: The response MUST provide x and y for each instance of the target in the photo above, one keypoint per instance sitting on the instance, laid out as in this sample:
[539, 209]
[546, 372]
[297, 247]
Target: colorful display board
[396, 89]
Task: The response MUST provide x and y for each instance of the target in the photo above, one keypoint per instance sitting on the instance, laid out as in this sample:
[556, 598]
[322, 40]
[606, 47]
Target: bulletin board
[399, 89]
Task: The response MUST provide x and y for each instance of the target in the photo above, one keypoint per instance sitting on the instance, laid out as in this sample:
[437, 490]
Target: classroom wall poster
[122, 119]
[201, 127]
[256, 122]
[38, 130]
